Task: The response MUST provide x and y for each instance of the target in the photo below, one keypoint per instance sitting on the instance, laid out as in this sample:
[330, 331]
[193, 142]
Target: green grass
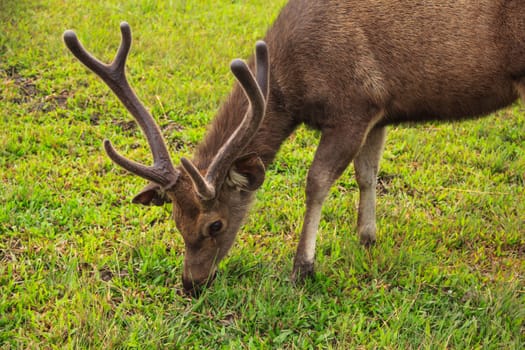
[81, 267]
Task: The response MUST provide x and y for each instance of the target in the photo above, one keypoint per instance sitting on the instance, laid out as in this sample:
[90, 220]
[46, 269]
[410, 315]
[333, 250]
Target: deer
[346, 68]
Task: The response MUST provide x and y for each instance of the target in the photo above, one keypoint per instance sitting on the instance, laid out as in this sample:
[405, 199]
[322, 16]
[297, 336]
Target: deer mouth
[194, 288]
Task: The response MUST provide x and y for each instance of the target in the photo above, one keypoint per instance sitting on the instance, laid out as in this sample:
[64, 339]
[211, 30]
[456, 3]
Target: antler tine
[162, 171]
[262, 66]
[255, 90]
[158, 175]
[205, 190]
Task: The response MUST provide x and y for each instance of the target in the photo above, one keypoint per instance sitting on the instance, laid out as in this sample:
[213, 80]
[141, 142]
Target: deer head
[208, 204]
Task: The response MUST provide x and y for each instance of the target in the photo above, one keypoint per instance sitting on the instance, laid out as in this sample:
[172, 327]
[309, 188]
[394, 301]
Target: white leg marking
[309, 233]
[366, 167]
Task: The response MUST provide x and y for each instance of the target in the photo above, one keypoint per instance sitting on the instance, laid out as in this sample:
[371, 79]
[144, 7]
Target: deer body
[347, 68]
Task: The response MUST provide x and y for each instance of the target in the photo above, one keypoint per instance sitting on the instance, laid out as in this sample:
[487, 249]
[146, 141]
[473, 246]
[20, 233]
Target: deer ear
[152, 194]
[247, 173]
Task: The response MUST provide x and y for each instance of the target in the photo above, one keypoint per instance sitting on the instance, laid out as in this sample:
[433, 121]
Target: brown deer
[347, 68]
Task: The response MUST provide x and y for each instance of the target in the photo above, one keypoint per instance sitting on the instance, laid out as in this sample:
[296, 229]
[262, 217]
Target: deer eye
[215, 228]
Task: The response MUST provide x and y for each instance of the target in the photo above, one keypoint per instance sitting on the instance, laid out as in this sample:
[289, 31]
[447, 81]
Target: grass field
[81, 267]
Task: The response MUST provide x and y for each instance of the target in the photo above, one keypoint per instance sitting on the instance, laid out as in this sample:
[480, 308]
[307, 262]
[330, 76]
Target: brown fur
[348, 68]
[340, 63]
[442, 60]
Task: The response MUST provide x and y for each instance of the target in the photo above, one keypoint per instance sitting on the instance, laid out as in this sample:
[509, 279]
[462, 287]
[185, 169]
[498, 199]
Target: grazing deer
[346, 68]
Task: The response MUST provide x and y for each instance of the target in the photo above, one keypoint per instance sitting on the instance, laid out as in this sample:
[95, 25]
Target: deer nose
[194, 287]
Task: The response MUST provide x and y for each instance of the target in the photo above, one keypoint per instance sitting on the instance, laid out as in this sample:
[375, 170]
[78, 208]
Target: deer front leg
[366, 166]
[336, 150]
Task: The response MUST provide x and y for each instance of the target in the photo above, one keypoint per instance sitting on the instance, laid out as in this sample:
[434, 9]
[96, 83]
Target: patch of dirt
[11, 72]
[107, 275]
[26, 87]
[125, 125]
[171, 127]
[12, 248]
[28, 93]
[94, 118]
[175, 144]
[173, 140]
[384, 182]
[51, 102]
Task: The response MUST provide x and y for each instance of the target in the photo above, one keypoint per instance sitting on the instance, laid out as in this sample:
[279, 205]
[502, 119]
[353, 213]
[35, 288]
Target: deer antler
[256, 90]
[162, 172]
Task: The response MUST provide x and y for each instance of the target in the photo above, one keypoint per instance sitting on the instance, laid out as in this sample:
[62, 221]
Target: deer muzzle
[194, 287]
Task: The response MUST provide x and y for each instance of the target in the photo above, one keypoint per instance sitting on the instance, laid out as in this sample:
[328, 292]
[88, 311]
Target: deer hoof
[302, 271]
[367, 242]
[367, 237]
